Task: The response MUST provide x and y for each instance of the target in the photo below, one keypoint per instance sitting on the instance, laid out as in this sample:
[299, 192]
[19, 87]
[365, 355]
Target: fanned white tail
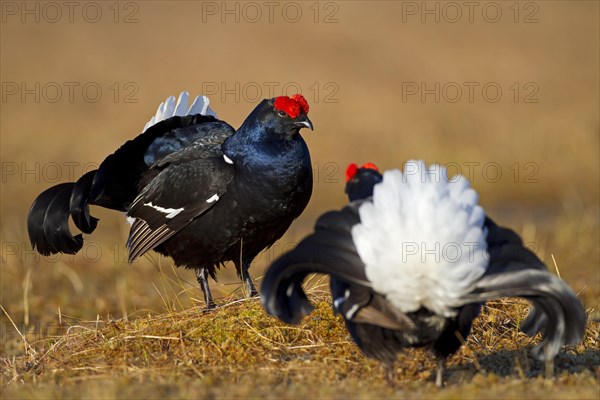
[169, 108]
[422, 239]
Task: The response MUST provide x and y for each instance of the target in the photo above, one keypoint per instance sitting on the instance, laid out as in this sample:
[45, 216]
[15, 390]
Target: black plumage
[379, 328]
[198, 190]
[360, 181]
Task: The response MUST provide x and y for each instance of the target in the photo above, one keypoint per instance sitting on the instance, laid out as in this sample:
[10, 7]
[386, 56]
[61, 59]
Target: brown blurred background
[386, 82]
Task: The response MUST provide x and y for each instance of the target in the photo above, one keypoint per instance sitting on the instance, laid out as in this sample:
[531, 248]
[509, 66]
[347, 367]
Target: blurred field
[535, 165]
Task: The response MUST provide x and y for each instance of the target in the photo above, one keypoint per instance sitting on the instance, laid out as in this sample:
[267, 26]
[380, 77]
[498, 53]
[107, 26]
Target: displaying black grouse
[413, 264]
[197, 190]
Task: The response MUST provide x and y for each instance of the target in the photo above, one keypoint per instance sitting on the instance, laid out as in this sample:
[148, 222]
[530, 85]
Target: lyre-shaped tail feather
[516, 272]
[79, 203]
[48, 222]
[48, 218]
[329, 250]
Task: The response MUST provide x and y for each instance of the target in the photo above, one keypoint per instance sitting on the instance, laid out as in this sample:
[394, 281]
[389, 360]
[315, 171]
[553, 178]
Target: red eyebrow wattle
[293, 106]
[351, 171]
[370, 166]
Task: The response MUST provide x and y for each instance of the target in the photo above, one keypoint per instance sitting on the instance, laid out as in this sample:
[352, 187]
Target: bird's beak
[304, 122]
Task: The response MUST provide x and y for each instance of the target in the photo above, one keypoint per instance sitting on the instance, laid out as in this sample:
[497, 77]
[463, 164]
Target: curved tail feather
[329, 250]
[48, 217]
[557, 312]
[48, 222]
[79, 203]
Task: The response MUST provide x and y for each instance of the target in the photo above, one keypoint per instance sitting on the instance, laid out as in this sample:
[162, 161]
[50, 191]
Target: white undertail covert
[422, 238]
[168, 109]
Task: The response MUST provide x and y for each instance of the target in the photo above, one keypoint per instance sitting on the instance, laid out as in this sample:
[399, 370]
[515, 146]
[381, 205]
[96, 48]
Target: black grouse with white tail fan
[195, 189]
[412, 259]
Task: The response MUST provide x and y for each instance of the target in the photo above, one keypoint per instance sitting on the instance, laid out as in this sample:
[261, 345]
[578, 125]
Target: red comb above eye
[370, 166]
[351, 171]
[302, 102]
[293, 106]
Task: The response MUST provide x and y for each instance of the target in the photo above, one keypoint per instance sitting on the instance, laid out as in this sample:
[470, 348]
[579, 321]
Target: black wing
[189, 183]
[123, 174]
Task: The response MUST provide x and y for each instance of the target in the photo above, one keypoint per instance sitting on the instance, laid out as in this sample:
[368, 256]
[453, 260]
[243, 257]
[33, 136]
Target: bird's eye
[282, 113]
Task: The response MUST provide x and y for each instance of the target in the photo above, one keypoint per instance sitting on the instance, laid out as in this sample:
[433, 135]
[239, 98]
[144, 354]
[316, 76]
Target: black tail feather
[79, 204]
[56, 223]
[557, 312]
[281, 291]
[35, 220]
[48, 218]
[48, 222]
[329, 250]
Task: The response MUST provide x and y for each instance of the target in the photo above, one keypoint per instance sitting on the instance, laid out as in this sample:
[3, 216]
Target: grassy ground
[97, 327]
[238, 351]
[172, 349]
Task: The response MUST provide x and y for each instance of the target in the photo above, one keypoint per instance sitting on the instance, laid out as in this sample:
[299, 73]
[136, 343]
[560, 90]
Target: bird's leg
[244, 264]
[439, 373]
[549, 369]
[247, 279]
[389, 373]
[202, 277]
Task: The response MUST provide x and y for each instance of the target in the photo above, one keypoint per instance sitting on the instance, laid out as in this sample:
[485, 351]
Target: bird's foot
[211, 306]
[388, 367]
[250, 289]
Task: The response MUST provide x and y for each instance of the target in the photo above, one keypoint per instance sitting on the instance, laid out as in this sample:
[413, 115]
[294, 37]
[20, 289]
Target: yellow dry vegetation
[239, 351]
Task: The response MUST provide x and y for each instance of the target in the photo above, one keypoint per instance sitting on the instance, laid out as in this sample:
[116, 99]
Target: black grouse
[412, 259]
[194, 188]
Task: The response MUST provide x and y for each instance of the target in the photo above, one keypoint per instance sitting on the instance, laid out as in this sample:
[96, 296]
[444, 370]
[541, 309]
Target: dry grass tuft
[238, 350]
